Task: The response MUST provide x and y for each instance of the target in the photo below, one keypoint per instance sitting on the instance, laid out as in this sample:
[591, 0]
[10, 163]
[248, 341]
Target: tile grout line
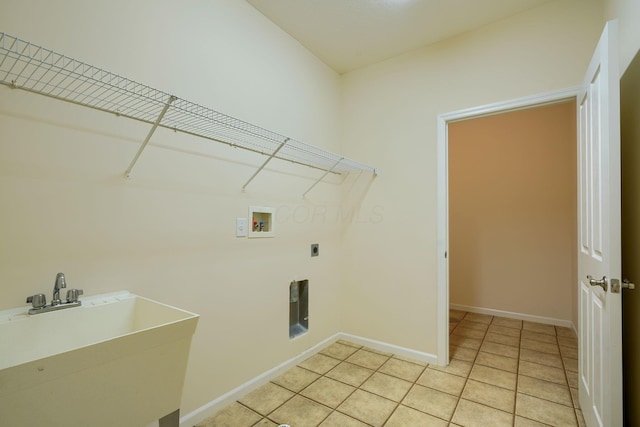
[403, 396]
[513, 412]
[368, 378]
[415, 383]
[550, 382]
[566, 378]
[467, 379]
[350, 394]
[515, 397]
[472, 365]
[517, 368]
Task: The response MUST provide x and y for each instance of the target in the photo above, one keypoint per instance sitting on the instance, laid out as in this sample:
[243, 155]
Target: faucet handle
[37, 301]
[73, 294]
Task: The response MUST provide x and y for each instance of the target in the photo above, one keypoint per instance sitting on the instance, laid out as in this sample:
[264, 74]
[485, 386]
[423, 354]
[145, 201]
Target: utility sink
[117, 360]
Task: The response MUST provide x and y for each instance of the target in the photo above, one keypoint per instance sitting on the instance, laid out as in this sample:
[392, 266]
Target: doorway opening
[489, 203]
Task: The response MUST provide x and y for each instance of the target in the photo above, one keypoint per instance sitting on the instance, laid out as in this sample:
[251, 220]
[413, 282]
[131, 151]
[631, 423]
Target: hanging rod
[29, 67]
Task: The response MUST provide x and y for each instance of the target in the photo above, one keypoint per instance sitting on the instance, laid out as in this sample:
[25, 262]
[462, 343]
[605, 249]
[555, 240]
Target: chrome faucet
[39, 301]
[59, 283]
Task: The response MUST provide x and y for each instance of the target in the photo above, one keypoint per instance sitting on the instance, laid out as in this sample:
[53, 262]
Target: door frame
[547, 98]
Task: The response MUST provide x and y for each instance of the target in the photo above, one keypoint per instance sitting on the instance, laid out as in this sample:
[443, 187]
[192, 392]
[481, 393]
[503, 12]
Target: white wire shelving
[26, 66]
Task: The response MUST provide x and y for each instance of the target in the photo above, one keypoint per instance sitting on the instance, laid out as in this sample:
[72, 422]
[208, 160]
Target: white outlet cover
[241, 227]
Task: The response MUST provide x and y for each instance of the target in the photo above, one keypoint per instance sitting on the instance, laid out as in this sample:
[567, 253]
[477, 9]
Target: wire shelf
[33, 68]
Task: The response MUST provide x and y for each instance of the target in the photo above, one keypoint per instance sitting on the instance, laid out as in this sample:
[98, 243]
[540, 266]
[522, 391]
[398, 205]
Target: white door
[600, 321]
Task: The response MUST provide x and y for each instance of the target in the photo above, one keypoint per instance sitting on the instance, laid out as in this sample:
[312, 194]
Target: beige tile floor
[503, 372]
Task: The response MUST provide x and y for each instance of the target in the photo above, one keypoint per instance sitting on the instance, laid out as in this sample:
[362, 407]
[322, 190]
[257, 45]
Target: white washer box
[261, 221]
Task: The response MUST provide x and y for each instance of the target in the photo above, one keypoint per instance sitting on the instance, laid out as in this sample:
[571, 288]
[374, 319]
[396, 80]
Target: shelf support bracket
[265, 163]
[149, 135]
[327, 172]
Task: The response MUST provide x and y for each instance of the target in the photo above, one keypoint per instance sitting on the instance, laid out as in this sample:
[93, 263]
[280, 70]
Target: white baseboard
[512, 315]
[215, 405]
[226, 399]
[390, 348]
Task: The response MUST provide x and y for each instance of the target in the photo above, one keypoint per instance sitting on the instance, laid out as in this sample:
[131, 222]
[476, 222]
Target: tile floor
[503, 372]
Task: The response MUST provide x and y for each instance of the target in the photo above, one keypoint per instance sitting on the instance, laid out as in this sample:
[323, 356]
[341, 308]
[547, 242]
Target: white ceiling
[348, 34]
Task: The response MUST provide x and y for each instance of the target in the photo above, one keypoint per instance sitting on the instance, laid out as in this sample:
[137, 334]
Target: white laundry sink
[117, 360]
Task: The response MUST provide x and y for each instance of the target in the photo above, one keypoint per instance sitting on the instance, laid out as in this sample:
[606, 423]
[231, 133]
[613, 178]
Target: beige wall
[512, 211]
[628, 14]
[168, 233]
[630, 152]
[390, 114]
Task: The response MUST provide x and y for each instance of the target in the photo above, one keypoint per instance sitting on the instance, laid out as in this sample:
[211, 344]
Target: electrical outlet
[315, 249]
